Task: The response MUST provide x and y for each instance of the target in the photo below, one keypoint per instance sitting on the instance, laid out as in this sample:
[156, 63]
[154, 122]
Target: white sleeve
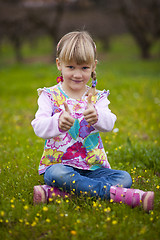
[45, 124]
[106, 119]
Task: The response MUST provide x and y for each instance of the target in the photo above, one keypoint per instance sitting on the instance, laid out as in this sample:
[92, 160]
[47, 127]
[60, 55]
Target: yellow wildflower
[73, 232]
[45, 209]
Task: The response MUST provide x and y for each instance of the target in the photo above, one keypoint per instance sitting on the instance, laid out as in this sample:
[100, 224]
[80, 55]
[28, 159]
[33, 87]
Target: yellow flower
[143, 230]
[48, 220]
[74, 181]
[73, 232]
[45, 209]
[33, 224]
[158, 187]
[12, 206]
[107, 209]
[114, 222]
[2, 213]
[26, 207]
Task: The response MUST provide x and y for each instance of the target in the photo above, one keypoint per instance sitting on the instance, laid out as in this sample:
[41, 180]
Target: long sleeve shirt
[81, 146]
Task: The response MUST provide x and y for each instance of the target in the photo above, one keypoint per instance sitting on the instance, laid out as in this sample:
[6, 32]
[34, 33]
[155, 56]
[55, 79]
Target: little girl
[70, 116]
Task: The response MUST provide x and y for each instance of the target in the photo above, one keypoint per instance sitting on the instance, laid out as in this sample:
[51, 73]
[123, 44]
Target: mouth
[77, 81]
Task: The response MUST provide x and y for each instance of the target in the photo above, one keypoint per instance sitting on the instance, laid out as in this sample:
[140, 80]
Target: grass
[134, 86]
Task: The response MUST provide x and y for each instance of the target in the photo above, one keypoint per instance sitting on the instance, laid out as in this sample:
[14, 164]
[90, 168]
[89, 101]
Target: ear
[58, 62]
[94, 66]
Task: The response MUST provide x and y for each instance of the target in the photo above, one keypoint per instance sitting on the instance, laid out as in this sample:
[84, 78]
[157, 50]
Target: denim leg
[111, 176]
[69, 179]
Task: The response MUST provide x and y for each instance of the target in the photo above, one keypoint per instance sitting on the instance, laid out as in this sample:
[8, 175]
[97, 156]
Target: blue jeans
[95, 183]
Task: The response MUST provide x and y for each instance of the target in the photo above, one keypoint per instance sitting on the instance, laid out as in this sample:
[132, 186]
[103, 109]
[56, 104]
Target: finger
[89, 99]
[68, 121]
[89, 111]
[66, 108]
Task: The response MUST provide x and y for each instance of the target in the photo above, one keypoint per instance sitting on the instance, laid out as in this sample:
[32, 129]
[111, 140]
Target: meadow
[133, 145]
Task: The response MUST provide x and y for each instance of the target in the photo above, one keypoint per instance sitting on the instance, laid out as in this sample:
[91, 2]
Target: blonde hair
[78, 46]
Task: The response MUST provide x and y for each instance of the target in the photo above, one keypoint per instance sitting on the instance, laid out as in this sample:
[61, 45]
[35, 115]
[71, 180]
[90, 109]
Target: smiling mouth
[78, 81]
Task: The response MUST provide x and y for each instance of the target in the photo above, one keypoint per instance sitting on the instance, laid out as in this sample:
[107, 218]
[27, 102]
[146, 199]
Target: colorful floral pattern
[51, 156]
[76, 150]
[85, 129]
[81, 146]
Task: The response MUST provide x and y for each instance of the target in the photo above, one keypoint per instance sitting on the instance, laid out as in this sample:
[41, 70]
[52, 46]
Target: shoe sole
[39, 195]
[148, 201]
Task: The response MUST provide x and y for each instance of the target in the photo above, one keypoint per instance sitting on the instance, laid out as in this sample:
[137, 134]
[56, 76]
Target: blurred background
[26, 25]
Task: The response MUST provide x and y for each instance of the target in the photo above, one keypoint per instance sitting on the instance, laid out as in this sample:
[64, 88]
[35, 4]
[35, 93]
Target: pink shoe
[148, 201]
[42, 193]
[132, 197]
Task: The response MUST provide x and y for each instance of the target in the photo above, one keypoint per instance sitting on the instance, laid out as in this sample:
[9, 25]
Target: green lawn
[134, 86]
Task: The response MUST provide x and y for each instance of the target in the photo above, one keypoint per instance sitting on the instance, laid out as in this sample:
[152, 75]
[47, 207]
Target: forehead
[74, 63]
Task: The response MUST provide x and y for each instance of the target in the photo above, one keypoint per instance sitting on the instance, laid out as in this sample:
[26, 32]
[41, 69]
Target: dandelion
[74, 181]
[2, 213]
[114, 222]
[143, 230]
[111, 200]
[158, 187]
[45, 209]
[12, 206]
[107, 209]
[26, 207]
[48, 220]
[33, 224]
[108, 219]
[73, 232]
[21, 220]
[57, 201]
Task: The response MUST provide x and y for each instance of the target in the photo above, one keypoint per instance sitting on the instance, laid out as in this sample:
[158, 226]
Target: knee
[56, 173]
[127, 180]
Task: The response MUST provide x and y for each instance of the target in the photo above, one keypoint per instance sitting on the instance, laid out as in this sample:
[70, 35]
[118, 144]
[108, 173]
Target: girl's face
[75, 76]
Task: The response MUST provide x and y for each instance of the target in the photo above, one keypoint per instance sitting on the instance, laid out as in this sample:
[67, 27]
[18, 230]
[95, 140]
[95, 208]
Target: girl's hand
[65, 120]
[90, 114]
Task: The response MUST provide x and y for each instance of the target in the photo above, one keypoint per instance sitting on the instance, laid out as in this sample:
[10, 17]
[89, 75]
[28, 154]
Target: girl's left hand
[90, 114]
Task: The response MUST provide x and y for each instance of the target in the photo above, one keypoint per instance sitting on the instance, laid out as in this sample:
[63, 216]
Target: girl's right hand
[66, 121]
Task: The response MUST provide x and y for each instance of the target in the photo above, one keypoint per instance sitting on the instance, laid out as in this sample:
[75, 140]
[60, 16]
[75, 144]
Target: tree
[142, 19]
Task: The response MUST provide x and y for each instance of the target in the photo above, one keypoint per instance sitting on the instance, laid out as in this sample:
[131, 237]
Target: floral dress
[81, 146]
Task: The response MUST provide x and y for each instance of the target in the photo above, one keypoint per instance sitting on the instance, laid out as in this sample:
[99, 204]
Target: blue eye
[70, 67]
[85, 68]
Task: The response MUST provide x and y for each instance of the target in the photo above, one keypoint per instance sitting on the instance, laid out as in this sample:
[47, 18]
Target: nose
[77, 73]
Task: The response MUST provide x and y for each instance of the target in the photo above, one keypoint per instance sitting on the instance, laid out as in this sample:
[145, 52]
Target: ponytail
[94, 83]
